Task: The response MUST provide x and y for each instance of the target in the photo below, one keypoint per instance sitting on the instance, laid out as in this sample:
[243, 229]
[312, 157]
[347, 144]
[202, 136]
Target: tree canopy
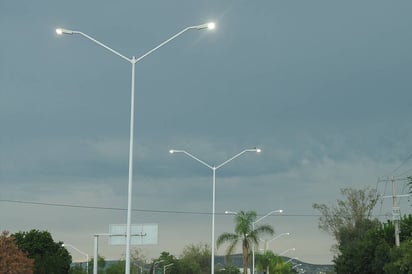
[365, 245]
[245, 233]
[12, 259]
[348, 213]
[49, 257]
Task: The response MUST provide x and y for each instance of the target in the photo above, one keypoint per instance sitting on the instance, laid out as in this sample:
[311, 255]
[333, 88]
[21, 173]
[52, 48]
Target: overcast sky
[322, 87]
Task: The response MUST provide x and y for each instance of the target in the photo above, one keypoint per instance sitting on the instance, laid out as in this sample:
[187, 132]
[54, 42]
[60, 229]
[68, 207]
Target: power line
[144, 210]
[404, 162]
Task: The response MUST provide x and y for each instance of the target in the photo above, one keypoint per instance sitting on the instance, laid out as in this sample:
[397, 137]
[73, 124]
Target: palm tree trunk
[245, 259]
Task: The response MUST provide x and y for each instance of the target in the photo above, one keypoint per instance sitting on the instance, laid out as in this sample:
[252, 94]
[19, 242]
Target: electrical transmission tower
[396, 212]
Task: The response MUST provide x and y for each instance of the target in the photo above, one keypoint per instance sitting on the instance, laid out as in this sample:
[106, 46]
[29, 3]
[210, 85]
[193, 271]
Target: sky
[322, 87]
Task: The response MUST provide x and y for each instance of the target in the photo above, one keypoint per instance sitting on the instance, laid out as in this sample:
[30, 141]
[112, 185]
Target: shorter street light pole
[253, 227]
[156, 263]
[291, 259]
[277, 237]
[81, 252]
[165, 267]
[287, 250]
[214, 168]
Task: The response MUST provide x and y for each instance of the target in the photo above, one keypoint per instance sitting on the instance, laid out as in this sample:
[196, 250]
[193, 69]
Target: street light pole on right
[214, 168]
[253, 227]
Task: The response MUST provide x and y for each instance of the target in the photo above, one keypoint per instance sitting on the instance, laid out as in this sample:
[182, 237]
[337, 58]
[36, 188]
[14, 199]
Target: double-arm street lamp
[133, 62]
[287, 250]
[81, 252]
[253, 227]
[214, 168]
[156, 263]
[165, 267]
[275, 238]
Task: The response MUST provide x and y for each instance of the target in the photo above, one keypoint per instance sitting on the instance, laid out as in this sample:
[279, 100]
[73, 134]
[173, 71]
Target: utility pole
[396, 211]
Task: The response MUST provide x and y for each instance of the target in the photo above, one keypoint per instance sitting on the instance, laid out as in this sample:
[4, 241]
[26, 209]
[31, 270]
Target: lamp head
[61, 31]
[209, 26]
[171, 151]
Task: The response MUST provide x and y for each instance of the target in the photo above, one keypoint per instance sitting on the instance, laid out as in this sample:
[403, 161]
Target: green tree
[117, 268]
[349, 223]
[77, 269]
[101, 264]
[268, 262]
[362, 249]
[138, 260]
[169, 264]
[245, 234]
[12, 259]
[195, 259]
[229, 269]
[348, 213]
[49, 256]
[401, 259]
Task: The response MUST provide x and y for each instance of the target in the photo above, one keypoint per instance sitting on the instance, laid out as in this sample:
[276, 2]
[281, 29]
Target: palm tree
[268, 262]
[244, 233]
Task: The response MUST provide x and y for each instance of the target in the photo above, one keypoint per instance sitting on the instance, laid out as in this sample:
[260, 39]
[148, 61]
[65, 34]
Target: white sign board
[140, 234]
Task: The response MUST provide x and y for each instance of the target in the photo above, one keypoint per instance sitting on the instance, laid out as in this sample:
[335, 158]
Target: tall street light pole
[275, 238]
[287, 250]
[253, 227]
[133, 62]
[214, 168]
[81, 252]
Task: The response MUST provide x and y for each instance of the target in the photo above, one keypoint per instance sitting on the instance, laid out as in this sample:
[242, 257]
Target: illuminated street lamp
[214, 168]
[287, 250]
[133, 61]
[165, 267]
[275, 238]
[253, 227]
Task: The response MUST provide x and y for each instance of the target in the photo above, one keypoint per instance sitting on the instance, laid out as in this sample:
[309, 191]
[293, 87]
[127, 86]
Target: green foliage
[196, 259]
[229, 269]
[358, 248]
[167, 263]
[400, 259]
[77, 269]
[356, 208]
[49, 257]
[370, 248]
[269, 261]
[101, 265]
[117, 268]
[244, 234]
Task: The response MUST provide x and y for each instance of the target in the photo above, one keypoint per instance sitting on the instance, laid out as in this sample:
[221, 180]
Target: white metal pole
[96, 246]
[134, 60]
[253, 251]
[212, 267]
[253, 227]
[130, 183]
[214, 168]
